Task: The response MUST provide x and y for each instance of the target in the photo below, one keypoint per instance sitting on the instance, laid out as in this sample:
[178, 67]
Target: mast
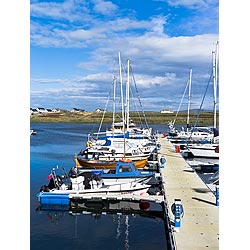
[113, 124]
[123, 121]
[189, 97]
[215, 78]
[127, 98]
[120, 66]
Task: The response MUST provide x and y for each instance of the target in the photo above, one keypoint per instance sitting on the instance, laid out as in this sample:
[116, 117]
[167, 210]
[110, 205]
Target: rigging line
[143, 113]
[180, 103]
[197, 117]
[105, 110]
[137, 111]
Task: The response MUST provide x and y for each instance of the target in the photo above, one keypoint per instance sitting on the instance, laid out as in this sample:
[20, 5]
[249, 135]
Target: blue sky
[74, 47]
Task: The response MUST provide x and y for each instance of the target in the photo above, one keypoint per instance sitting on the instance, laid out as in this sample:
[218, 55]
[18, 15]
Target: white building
[166, 111]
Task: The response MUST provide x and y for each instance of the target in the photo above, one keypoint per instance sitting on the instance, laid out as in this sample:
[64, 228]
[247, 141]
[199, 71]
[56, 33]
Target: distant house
[55, 110]
[166, 111]
[99, 110]
[41, 110]
[33, 111]
[76, 110]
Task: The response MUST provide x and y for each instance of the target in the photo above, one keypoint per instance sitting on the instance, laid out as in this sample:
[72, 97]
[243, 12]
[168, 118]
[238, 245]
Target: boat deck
[200, 225]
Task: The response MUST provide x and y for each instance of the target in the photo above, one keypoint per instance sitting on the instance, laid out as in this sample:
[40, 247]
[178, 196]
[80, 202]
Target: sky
[74, 47]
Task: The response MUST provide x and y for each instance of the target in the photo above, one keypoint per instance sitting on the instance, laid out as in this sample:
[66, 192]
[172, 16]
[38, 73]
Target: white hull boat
[204, 150]
[61, 188]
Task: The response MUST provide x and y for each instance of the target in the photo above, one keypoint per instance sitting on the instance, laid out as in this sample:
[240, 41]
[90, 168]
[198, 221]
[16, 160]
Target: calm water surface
[56, 144]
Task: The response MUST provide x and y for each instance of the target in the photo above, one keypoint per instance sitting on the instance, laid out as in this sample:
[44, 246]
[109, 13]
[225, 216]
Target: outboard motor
[51, 185]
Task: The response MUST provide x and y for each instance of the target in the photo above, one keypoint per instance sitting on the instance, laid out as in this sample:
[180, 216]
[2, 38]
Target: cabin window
[124, 169]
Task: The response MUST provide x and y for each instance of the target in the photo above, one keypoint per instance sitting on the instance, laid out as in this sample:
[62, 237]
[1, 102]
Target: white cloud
[193, 4]
[68, 10]
[160, 62]
[105, 7]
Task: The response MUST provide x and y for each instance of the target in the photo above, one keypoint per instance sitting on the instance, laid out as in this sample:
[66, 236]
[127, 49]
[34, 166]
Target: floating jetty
[190, 209]
[199, 227]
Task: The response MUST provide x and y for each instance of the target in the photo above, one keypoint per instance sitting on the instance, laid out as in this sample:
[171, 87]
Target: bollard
[177, 148]
[162, 161]
[217, 195]
[178, 212]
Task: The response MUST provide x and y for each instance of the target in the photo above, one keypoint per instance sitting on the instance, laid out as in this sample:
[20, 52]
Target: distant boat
[32, 132]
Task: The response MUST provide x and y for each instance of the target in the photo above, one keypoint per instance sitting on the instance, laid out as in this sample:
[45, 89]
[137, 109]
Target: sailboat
[123, 141]
[194, 134]
[209, 150]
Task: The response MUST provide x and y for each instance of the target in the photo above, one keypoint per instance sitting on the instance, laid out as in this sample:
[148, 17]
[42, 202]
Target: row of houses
[34, 111]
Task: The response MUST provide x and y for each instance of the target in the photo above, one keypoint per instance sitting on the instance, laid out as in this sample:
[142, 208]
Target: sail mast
[123, 119]
[189, 97]
[127, 97]
[120, 67]
[215, 78]
[113, 124]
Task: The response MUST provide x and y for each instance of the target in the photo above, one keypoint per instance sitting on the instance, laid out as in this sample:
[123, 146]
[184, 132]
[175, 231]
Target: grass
[205, 118]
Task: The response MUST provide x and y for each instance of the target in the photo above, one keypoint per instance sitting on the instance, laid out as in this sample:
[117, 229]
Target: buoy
[177, 148]
[144, 205]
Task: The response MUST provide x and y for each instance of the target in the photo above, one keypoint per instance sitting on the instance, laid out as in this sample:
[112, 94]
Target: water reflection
[122, 225]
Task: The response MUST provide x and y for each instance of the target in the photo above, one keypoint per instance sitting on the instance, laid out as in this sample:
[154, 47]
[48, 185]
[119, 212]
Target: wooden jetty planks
[200, 224]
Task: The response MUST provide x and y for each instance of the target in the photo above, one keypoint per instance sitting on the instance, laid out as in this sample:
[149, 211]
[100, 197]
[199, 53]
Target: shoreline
[205, 118]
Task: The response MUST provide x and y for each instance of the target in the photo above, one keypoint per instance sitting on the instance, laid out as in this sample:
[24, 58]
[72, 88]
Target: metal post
[178, 212]
[162, 161]
[217, 195]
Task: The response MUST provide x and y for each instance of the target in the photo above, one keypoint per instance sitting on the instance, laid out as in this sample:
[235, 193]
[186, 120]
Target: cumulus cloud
[71, 10]
[105, 7]
[160, 62]
[192, 4]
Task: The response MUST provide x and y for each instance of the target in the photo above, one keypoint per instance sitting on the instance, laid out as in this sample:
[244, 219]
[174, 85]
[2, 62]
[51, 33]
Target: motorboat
[32, 132]
[125, 171]
[61, 187]
[204, 150]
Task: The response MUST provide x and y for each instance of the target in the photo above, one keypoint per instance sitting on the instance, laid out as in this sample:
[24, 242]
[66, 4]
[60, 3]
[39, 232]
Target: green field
[205, 118]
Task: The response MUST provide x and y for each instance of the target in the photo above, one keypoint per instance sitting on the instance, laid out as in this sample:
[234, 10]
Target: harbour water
[56, 144]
